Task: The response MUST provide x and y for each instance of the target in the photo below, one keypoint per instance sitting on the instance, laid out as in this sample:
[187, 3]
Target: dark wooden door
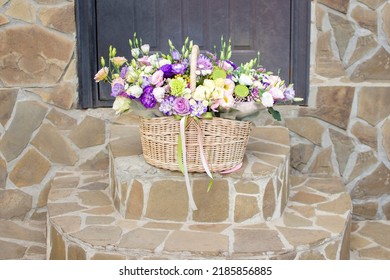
[253, 25]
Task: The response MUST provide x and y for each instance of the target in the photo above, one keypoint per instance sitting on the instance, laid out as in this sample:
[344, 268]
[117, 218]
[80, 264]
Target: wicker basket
[224, 141]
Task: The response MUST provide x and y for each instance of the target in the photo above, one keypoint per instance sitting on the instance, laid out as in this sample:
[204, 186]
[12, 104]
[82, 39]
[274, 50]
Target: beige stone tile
[331, 185]
[311, 255]
[61, 18]
[76, 253]
[269, 200]
[14, 204]
[80, 135]
[331, 250]
[143, 239]
[307, 198]
[272, 134]
[297, 237]
[68, 223]
[168, 200]
[209, 227]
[375, 253]
[105, 210]
[358, 242]
[135, 203]
[11, 251]
[99, 235]
[339, 206]
[107, 256]
[13, 230]
[94, 198]
[56, 209]
[335, 224]
[291, 220]
[261, 169]
[247, 187]
[57, 251]
[245, 208]
[378, 232]
[167, 226]
[99, 220]
[213, 206]
[257, 241]
[206, 243]
[306, 211]
[30, 169]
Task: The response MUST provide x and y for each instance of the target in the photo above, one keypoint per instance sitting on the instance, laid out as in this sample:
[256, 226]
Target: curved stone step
[84, 224]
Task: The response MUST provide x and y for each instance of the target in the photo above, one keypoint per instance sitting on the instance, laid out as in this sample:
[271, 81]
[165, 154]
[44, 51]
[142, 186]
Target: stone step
[370, 240]
[84, 224]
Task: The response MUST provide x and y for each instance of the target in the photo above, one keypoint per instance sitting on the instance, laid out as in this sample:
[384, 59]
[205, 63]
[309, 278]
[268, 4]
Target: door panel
[253, 25]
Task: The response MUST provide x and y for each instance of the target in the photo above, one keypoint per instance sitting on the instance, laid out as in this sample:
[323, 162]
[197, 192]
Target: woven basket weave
[224, 141]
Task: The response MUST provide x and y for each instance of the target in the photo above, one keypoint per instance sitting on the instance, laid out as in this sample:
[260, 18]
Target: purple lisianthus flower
[255, 93]
[166, 106]
[181, 106]
[198, 109]
[167, 69]
[179, 68]
[232, 64]
[289, 93]
[147, 98]
[145, 82]
[175, 55]
[123, 72]
[117, 89]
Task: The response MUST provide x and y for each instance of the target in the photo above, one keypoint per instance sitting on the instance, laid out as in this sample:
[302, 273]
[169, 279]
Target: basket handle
[193, 62]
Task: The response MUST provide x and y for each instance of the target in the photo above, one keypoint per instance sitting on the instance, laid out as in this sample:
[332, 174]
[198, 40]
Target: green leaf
[275, 114]
[219, 73]
[241, 91]
[207, 116]
[210, 185]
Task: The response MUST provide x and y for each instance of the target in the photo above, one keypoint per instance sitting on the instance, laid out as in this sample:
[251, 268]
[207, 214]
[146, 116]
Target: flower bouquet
[196, 108]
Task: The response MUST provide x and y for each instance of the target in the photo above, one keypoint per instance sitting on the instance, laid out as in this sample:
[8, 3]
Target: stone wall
[41, 132]
[344, 131]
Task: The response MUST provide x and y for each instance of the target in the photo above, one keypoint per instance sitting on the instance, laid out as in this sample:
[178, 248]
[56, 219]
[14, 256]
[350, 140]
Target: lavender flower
[198, 109]
[175, 55]
[166, 106]
[204, 66]
[289, 93]
[117, 89]
[179, 68]
[123, 72]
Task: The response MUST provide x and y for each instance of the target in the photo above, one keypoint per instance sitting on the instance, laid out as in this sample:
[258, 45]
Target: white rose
[121, 104]
[245, 80]
[267, 100]
[159, 93]
[135, 91]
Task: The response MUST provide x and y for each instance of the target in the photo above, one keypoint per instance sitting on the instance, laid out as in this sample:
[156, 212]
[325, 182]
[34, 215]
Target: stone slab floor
[27, 240]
